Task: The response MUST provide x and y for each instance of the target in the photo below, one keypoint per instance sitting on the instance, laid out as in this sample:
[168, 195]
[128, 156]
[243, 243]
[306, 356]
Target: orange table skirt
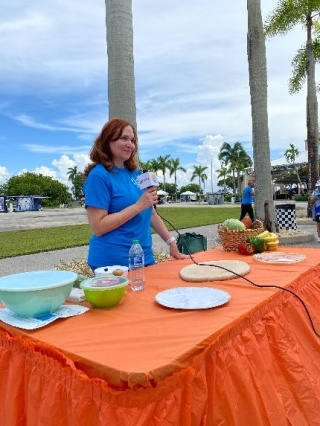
[254, 360]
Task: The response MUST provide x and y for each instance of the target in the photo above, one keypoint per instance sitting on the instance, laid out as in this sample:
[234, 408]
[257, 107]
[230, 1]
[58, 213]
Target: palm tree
[228, 156]
[72, 173]
[121, 82]
[199, 172]
[243, 161]
[173, 168]
[222, 173]
[291, 155]
[256, 49]
[288, 14]
[144, 165]
[76, 179]
[154, 165]
[236, 158]
[77, 188]
[163, 165]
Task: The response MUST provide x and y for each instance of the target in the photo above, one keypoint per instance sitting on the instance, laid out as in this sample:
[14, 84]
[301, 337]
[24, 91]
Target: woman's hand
[148, 198]
[175, 253]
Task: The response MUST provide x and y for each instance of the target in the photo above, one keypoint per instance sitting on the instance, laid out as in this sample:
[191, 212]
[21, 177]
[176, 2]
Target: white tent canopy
[161, 192]
[187, 193]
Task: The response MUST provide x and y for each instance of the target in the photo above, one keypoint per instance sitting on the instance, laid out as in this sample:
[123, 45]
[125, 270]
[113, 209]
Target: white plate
[192, 298]
[279, 257]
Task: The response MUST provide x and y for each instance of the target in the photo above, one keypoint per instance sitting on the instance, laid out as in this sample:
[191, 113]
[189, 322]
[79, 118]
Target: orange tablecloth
[254, 360]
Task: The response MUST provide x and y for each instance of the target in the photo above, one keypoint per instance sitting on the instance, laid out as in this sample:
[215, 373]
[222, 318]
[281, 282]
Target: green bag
[190, 242]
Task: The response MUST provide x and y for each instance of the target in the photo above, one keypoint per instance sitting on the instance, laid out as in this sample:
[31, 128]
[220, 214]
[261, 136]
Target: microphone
[148, 179]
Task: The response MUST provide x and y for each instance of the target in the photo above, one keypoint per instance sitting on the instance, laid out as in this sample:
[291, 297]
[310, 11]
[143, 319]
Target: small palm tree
[291, 155]
[164, 165]
[236, 159]
[199, 172]
[173, 168]
[222, 173]
[242, 162]
[72, 173]
[76, 179]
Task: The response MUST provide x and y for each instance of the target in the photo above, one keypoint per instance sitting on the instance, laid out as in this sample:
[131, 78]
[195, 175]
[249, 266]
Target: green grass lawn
[17, 243]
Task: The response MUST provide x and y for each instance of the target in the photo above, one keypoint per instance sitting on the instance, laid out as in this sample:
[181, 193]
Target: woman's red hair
[101, 152]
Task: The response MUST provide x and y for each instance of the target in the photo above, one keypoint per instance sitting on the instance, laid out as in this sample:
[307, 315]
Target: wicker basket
[231, 239]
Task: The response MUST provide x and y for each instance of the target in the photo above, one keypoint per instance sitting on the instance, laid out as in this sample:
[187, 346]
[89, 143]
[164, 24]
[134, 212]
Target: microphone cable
[247, 279]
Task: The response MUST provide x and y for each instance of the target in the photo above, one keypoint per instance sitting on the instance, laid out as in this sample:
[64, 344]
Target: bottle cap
[135, 241]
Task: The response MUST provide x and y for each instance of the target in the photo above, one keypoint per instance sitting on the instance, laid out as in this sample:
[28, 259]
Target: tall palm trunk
[259, 113]
[312, 114]
[121, 82]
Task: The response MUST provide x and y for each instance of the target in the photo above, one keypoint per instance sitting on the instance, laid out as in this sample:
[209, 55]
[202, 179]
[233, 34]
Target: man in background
[247, 200]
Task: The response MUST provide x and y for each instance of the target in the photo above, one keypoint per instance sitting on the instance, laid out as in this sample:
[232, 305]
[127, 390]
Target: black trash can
[286, 216]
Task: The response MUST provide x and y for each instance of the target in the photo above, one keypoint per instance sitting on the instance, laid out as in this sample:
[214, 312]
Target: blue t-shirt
[247, 195]
[113, 191]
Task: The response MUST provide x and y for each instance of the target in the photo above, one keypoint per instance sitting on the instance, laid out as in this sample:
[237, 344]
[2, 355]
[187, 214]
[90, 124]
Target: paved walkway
[60, 217]
[76, 216]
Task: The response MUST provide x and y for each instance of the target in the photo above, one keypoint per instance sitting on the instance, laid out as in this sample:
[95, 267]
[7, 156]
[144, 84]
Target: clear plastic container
[136, 267]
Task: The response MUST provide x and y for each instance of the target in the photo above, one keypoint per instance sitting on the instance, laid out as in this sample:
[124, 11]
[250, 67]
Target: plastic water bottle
[136, 266]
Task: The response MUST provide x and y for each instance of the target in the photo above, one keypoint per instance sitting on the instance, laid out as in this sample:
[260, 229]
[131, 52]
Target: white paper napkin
[76, 295]
[64, 311]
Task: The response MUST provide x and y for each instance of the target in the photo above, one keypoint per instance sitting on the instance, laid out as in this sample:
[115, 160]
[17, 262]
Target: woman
[118, 210]
[315, 201]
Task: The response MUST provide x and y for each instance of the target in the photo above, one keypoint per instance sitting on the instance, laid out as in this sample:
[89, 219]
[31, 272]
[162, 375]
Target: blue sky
[192, 83]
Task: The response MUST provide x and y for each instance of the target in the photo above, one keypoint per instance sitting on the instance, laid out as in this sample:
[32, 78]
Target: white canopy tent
[187, 193]
[161, 192]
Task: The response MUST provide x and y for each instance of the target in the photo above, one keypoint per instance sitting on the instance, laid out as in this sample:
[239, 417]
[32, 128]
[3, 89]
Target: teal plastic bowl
[104, 292]
[37, 293]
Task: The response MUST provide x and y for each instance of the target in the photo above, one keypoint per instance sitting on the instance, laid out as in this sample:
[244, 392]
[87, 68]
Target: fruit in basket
[247, 222]
[117, 272]
[263, 234]
[234, 225]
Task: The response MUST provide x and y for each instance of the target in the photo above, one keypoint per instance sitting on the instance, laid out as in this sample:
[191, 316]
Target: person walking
[247, 200]
[315, 201]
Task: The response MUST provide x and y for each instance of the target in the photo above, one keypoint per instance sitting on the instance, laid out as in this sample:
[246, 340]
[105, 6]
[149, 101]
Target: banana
[271, 238]
[273, 243]
[271, 246]
[263, 234]
[272, 234]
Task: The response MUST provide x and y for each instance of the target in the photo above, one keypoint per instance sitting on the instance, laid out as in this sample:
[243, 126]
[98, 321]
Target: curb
[297, 239]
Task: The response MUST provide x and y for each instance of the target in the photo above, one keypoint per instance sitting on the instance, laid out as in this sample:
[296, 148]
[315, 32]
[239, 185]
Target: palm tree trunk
[121, 82]
[259, 112]
[312, 115]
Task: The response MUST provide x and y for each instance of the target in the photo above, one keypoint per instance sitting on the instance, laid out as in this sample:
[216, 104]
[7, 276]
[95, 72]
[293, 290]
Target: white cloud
[56, 149]
[4, 175]
[65, 162]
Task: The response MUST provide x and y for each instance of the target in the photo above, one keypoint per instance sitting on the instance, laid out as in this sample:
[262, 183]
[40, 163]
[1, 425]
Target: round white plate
[192, 298]
[279, 257]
